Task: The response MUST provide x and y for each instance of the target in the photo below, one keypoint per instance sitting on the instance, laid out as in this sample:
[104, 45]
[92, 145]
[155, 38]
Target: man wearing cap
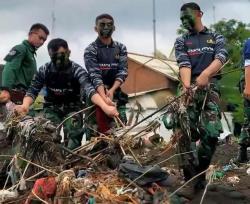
[200, 54]
[21, 66]
[65, 82]
[106, 62]
[244, 140]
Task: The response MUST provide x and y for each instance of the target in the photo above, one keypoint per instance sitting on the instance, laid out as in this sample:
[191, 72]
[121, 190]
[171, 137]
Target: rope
[37, 165]
[72, 115]
[205, 190]
[39, 197]
[28, 179]
[187, 182]
[209, 168]
[150, 115]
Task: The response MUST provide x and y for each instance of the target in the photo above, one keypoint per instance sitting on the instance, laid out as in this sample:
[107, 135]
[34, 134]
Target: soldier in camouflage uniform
[244, 140]
[106, 62]
[200, 54]
[64, 81]
[20, 65]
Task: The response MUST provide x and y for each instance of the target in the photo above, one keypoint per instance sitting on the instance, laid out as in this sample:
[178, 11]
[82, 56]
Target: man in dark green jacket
[21, 66]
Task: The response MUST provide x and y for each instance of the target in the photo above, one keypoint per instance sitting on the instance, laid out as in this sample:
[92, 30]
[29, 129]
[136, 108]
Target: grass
[230, 93]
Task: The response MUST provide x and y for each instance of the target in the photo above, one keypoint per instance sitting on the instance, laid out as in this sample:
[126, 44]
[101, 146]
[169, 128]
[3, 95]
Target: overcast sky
[133, 20]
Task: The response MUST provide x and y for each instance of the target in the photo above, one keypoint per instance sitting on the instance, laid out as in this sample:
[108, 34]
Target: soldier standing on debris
[64, 81]
[106, 62]
[244, 140]
[20, 65]
[200, 54]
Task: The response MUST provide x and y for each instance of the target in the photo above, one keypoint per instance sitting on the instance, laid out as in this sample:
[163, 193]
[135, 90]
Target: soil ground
[221, 191]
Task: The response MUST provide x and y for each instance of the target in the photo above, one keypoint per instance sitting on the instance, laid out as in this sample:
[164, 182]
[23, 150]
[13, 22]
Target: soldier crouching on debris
[200, 54]
[64, 81]
[20, 65]
[244, 140]
[106, 62]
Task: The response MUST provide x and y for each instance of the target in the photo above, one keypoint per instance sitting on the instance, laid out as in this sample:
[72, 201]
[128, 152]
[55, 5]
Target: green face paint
[105, 28]
[188, 19]
[60, 60]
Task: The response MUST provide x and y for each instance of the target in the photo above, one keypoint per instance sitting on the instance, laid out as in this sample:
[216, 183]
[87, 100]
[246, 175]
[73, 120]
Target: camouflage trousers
[244, 139]
[73, 128]
[202, 118]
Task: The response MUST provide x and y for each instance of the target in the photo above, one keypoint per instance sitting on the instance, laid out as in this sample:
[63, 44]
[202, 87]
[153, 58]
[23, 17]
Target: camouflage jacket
[106, 63]
[61, 86]
[198, 50]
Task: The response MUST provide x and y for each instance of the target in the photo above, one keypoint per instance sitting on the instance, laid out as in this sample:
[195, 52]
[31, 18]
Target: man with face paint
[200, 54]
[20, 65]
[106, 62]
[65, 83]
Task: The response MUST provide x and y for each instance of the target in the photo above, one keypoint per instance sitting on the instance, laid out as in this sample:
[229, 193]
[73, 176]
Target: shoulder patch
[210, 41]
[13, 52]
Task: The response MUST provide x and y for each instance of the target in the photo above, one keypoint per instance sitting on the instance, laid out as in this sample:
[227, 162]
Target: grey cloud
[133, 19]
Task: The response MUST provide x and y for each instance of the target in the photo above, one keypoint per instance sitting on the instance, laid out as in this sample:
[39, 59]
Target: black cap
[192, 5]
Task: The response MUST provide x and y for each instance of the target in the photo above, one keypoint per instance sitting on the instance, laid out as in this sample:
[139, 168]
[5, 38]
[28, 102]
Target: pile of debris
[127, 165]
[112, 168]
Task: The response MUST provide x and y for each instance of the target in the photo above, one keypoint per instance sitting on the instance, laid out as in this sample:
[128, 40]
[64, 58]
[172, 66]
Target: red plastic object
[103, 121]
[44, 188]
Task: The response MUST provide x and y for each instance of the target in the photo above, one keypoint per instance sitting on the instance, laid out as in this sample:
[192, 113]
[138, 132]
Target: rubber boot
[188, 190]
[189, 172]
[242, 157]
[200, 181]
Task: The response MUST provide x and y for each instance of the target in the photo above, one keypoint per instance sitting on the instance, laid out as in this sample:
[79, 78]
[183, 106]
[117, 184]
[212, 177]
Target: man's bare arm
[203, 79]
[185, 74]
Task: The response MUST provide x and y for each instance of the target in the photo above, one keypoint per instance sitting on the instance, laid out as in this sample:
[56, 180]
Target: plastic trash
[228, 167]
[81, 173]
[248, 171]
[233, 180]
[91, 201]
[4, 195]
[122, 191]
[22, 186]
[218, 174]
[44, 188]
